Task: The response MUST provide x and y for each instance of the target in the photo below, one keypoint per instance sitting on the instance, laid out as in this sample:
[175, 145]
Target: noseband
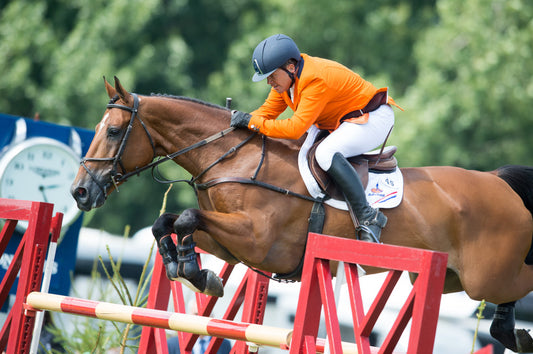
[117, 177]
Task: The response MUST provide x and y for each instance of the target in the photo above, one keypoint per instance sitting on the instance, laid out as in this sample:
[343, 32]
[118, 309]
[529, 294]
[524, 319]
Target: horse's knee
[163, 225]
[187, 223]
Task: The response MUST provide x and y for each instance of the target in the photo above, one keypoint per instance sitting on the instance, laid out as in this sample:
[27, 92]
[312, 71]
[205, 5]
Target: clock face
[40, 169]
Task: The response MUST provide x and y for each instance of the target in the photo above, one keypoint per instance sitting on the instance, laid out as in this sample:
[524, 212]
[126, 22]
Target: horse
[482, 220]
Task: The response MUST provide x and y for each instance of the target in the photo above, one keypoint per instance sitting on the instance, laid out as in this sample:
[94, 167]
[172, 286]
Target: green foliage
[470, 104]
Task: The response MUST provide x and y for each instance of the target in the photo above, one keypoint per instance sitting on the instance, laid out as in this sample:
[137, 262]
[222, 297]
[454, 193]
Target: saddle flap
[373, 160]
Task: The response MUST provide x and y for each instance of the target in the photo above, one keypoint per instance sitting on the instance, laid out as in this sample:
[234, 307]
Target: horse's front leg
[181, 261]
[162, 229]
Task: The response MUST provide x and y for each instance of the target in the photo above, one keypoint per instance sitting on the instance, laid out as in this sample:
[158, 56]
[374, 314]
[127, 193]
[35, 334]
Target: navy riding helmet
[272, 53]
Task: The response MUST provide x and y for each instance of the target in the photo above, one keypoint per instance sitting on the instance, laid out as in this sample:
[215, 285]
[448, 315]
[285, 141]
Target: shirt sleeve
[274, 105]
[313, 100]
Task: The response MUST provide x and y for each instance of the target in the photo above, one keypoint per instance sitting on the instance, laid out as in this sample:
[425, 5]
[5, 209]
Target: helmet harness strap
[291, 75]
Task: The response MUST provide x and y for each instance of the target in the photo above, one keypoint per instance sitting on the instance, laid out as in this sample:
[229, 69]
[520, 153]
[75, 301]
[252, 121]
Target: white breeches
[351, 139]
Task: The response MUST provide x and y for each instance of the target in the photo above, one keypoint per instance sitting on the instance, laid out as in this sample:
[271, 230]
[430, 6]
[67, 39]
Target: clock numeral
[31, 156]
[47, 155]
[9, 182]
[18, 165]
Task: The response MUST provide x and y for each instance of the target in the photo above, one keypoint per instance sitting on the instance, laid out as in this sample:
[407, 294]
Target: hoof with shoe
[524, 341]
[503, 330]
[205, 282]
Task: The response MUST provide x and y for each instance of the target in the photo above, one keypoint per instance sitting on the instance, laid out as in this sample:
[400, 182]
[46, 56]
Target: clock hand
[50, 186]
[41, 189]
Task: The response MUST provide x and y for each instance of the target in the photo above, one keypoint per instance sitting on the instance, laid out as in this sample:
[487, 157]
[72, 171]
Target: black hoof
[205, 282]
[524, 341]
[213, 284]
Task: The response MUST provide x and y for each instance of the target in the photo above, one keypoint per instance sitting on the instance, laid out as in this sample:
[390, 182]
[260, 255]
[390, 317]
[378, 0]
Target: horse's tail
[520, 178]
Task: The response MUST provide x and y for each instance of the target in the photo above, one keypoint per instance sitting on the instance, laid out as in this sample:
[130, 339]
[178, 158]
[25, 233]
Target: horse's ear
[111, 92]
[122, 93]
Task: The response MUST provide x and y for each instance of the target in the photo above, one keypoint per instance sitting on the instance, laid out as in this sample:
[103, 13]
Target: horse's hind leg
[503, 329]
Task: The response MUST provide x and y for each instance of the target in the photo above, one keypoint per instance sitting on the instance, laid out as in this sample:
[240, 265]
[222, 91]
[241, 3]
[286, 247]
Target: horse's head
[121, 144]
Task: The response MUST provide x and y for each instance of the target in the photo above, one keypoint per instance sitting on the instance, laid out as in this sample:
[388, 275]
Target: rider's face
[280, 80]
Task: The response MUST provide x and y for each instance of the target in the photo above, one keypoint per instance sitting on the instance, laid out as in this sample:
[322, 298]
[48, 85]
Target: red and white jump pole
[258, 334]
[271, 336]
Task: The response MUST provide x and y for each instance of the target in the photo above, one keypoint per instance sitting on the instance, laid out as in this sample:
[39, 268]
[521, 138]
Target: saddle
[376, 161]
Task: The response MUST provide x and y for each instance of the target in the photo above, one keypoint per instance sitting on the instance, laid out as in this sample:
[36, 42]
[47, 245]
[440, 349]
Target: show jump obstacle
[28, 263]
[420, 309]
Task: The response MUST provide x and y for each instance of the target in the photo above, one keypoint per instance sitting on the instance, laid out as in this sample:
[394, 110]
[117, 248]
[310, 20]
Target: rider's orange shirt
[324, 93]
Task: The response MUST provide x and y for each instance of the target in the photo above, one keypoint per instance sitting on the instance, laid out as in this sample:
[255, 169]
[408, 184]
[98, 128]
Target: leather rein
[117, 177]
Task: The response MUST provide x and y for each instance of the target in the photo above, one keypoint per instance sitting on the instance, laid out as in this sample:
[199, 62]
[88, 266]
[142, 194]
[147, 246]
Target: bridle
[117, 177]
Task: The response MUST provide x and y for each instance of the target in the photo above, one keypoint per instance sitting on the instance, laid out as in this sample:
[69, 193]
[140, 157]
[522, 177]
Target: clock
[40, 169]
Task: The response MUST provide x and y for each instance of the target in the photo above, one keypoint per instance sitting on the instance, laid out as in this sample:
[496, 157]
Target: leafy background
[461, 69]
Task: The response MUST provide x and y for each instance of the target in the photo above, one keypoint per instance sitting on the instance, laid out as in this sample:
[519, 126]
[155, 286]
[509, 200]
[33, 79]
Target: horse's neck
[179, 124]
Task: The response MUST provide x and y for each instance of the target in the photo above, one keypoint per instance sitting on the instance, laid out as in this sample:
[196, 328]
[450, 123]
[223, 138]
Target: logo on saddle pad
[376, 190]
[384, 188]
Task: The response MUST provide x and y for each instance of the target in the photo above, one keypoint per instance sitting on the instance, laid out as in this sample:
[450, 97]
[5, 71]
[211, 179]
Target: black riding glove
[240, 119]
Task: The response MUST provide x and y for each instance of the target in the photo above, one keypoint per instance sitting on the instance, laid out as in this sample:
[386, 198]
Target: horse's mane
[288, 143]
[189, 99]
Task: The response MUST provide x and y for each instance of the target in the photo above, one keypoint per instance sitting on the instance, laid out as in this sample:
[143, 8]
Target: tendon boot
[168, 252]
[188, 263]
[371, 220]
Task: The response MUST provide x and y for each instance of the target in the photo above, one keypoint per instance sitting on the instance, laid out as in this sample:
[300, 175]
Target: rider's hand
[240, 119]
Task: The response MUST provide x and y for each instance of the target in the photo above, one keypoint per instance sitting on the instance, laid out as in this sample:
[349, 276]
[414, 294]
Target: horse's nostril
[81, 192]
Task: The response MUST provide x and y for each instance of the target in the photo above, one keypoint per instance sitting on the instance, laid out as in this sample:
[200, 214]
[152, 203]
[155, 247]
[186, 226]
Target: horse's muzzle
[87, 196]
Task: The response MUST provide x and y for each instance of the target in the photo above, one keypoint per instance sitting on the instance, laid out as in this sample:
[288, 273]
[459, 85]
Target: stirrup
[377, 222]
[364, 228]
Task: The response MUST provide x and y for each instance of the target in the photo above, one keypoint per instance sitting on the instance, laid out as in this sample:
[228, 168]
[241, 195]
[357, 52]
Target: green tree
[470, 104]
[26, 43]
[375, 39]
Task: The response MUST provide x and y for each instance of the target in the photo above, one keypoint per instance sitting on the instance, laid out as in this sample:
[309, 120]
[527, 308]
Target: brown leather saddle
[376, 161]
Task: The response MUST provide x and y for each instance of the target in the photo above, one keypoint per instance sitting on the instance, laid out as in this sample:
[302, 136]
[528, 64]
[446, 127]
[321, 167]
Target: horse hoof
[524, 341]
[206, 282]
[213, 284]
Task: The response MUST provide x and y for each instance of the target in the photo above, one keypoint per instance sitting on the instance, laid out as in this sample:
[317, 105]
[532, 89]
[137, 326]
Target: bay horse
[483, 220]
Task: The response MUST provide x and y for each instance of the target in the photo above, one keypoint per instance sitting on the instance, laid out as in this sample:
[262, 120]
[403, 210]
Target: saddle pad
[384, 190]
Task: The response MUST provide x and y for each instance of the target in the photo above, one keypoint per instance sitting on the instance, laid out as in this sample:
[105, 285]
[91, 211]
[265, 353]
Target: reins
[120, 177]
[172, 156]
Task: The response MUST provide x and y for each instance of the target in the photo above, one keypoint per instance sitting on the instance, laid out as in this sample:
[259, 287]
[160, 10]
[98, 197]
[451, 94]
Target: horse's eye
[113, 132]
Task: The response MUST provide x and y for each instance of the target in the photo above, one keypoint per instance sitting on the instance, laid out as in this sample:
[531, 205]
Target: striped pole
[257, 334]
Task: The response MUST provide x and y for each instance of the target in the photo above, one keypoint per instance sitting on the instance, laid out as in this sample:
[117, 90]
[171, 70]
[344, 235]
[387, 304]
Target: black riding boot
[371, 220]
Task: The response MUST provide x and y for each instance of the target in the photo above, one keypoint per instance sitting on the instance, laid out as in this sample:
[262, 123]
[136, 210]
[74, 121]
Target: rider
[329, 95]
